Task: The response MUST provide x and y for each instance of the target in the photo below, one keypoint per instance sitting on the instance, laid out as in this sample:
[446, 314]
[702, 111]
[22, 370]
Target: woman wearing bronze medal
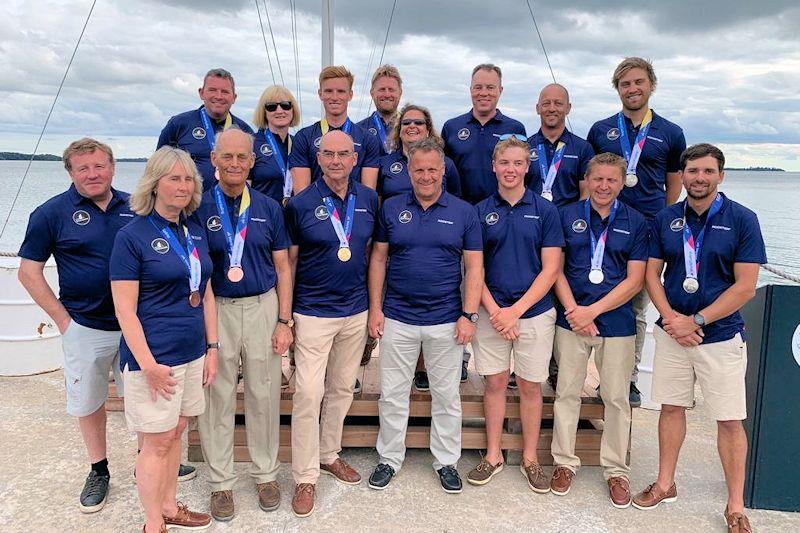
[275, 113]
[160, 270]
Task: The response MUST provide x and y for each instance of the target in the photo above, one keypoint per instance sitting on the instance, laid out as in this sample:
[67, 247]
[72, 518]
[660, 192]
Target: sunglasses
[515, 135]
[273, 106]
[414, 121]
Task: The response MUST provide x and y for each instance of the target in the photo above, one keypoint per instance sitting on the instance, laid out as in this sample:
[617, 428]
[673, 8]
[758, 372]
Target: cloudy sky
[729, 71]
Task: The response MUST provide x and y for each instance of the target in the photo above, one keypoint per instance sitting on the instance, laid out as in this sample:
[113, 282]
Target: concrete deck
[43, 465]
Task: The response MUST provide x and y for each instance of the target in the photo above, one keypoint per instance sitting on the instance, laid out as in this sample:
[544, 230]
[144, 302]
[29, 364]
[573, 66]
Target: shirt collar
[411, 198]
[498, 117]
[161, 222]
[527, 198]
[653, 123]
[78, 199]
[324, 190]
[565, 136]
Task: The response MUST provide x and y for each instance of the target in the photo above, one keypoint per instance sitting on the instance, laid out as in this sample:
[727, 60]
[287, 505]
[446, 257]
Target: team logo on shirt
[579, 226]
[266, 150]
[317, 141]
[534, 154]
[492, 218]
[676, 225]
[405, 217]
[373, 131]
[199, 133]
[160, 245]
[463, 134]
[214, 223]
[321, 213]
[613, 134]
[396, 167]
[81, 217]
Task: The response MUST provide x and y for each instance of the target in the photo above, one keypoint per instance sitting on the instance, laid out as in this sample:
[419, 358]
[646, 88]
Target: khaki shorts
[147, 416]
[532, 350]
[720, 368]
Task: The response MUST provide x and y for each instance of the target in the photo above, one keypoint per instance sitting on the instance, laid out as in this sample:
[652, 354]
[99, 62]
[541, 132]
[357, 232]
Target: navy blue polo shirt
[627, 241]
[175, 331]
[425, 249]
[733, 235]
[470, 146]
[265, 234]
[306, 145]
[324, 286]
[80, 235]
[513, 238]
[662, 153]
[577, 154]
[186, 131]
[266, 175]
[393, 177]
[369, 126]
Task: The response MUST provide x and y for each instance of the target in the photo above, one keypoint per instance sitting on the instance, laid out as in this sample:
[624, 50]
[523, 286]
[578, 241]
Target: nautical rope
[264, 36]
[274, 46]
[780, 273]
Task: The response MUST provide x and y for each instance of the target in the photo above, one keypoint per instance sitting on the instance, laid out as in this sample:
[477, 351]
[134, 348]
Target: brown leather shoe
[652, 496]
[162, 530]
[561, 481]
[535, 476]
[303, 500]
[269, 495]
[341, 471]
[484, 472]
[737, 522]
[222, 506]
[619, 491]
[186, 519]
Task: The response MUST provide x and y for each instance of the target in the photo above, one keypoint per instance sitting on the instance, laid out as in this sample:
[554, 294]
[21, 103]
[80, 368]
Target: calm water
[775, 196]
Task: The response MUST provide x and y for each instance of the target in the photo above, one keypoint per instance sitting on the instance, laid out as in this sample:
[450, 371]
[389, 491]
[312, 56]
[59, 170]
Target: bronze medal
[344, 254]
[235, 274]
[194, 298]
[285, 201]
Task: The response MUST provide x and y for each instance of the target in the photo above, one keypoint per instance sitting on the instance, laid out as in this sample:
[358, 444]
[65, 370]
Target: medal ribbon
[342, 231]
[692, 245]
[381, 129]
[287, 175]
[598, 245]
[325, 127]
[211, 135]
[633, 156]
[549, 175]
[188, 255]
[234, 242]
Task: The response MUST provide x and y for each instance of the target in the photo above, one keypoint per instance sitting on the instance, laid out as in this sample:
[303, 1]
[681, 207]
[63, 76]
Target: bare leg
[530, 413]
[494, 409]
[420, 363]
[93, 430]
[671, 433]
[170, 482]
[732, 445]
[151, 467]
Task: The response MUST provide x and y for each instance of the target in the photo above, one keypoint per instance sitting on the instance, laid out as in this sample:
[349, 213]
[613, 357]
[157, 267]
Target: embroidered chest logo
[676, 225]
[317, 141]
[579, 226]
[613, 134]
[492, 218]
[396, 168]
[266, 150]
[463, 134]
[214, 223]
[534, 154]
[405, 217]
[199, 133]
[373, 131]
[321, 213]
[160, 245]
[81, 217]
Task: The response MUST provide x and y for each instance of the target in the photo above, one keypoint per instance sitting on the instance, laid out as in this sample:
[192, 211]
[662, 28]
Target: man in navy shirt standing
[252, 284]
[78, 228]
[711, 247]
[604, 263]
[386, 90]
[522, 242]
[335, 92]
[195, 131]
[330, 225]
[423, 236]
[652, 146]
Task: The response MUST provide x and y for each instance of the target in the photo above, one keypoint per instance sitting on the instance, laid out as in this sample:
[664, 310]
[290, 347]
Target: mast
[327, 33]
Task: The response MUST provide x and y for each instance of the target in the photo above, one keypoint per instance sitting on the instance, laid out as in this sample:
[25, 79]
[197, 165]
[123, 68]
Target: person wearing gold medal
[330, 225]
[253, 288]
[159, 271]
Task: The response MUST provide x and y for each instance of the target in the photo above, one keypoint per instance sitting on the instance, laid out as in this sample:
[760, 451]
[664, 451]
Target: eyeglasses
[519, 136]
[327, 154]
[273, 106]
[414, 121]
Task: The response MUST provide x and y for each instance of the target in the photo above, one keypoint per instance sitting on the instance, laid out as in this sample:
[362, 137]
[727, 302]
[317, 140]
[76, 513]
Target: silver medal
[691, 285]
[596, 276]
[631, 180]
[547, 195]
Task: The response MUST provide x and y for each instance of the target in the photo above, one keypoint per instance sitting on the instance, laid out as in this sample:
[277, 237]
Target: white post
[327, 33]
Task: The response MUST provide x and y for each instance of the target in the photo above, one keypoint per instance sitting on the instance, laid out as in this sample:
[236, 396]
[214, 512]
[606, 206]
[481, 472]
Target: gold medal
[285, 201]
[194, 298]
[235, 274]
[344, 254]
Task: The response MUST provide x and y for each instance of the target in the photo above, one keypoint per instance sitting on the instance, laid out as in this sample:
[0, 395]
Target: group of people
[539, 251]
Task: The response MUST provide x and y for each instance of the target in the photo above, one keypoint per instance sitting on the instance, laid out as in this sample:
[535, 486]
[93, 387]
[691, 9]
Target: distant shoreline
[17, 156]
[757, 169]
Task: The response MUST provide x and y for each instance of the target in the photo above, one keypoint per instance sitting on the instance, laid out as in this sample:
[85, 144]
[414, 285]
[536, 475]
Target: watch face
[473, 318]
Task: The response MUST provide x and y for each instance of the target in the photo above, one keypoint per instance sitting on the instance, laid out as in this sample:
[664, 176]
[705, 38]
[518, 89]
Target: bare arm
[624, 291]
[294, 252]
[210, 320]
[473, 286]
[301, 178]
[674, 186]
[735, 296]
[655, 288]
[584, 191]
[282, 337]
[369, 177]
[375, 279]
[31, 275]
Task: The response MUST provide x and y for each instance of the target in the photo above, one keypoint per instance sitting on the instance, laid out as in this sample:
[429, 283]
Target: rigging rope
[385, 40]
[47, 120]
[264, 36]
[296, 57]
[274, 46]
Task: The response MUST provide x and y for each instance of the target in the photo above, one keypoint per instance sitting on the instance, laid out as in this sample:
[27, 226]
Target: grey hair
[489, 67]
[425, 145]
[220, 73]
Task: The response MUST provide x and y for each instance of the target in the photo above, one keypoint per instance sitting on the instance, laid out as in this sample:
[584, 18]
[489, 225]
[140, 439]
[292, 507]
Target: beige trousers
[327, 357]
[245, 333]
[614, 359]
[640, 303]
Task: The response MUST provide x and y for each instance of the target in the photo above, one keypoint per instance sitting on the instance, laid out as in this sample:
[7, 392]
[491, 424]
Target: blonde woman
[160, 271]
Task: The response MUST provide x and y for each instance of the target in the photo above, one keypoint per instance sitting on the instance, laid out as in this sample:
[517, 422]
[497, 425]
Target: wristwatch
[699, 319]
[289, 322]
[472, 317]
[212, 345]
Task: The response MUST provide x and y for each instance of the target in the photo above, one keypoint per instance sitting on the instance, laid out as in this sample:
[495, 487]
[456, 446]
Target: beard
[708, 191]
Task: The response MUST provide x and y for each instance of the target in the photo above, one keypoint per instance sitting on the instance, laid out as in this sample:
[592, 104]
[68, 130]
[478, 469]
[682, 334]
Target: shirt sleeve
[372, 151]
[519, 127]
[168, 135]
[126, 259]
[291, 222]
[639, 250]
[39, 242]
[452, 180]
[676, 148]
[300, 156]
[382, 226]
[473, 235]
[552, 234]
[280, 239]
[655, 247]
[751, 247]
[591, 138]
[586, 155]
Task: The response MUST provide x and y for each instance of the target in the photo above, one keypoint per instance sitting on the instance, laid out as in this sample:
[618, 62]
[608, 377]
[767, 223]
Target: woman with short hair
[160, 271]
